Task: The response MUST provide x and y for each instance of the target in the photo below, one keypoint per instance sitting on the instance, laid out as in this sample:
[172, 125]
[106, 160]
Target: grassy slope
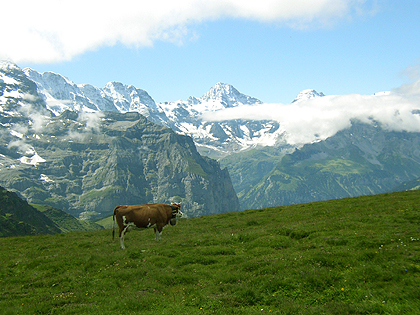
[106, 222]
[18, 218]
[65, 221]
[348, 256]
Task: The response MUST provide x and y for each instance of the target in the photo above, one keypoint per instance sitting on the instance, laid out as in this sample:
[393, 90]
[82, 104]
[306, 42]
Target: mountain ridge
[214, 139]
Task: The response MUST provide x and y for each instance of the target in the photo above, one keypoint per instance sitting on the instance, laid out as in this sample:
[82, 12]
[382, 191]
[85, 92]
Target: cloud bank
[322, 117]
[47, 31]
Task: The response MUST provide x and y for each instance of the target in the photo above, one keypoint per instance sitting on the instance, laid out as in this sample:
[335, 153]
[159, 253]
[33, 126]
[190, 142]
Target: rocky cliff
[124, 159]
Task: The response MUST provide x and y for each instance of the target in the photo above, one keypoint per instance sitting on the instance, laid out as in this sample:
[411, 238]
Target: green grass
[65, 222]
[106, 222]
[348, 256]
[342, 167]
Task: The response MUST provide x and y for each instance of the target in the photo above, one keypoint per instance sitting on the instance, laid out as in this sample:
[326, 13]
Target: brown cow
[155, 215]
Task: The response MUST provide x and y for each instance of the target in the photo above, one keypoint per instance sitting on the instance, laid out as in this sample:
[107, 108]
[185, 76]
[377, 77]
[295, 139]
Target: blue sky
[271, 52]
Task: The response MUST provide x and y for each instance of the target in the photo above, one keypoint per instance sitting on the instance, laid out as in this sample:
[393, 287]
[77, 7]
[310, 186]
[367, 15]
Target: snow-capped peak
[307, 94]
[212, 138]
[7, 66]
[227, 95]
[50, 79]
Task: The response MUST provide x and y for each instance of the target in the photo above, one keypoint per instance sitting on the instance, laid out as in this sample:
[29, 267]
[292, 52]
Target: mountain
[61, 94]
[18, 218]
[221, 138]
[265, 169]
[408, 185]
[307, 94]
[361, 160]
[86, 163]
[213, 139]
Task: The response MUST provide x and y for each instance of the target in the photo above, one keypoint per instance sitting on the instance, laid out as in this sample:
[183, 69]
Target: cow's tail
[113, 222]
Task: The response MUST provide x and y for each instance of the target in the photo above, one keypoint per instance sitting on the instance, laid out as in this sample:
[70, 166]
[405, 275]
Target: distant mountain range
[87, 127]
[88, 162]
[214, 139]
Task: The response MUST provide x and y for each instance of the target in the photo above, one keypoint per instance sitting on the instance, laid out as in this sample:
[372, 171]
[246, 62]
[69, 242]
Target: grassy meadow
[349, 256]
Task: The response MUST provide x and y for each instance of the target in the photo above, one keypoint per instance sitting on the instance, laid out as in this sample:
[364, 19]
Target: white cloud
[47, 31]
[412, 72]
[38, 120]
[21, 145]
[91, 119]
[92, 122]
[322, 117]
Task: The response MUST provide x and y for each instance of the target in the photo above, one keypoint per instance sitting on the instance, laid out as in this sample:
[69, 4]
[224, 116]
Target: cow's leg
[158, 234]
[126, 229]
[122, 237]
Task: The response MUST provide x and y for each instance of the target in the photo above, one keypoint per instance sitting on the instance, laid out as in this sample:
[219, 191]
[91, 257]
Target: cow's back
[147, 215]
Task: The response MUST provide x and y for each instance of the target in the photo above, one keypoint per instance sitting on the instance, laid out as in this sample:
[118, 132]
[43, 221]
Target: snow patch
[16, 134]
[33, 160]
[45, 178]
[8, 80]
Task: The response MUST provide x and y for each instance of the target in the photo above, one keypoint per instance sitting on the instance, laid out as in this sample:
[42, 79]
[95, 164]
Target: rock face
[88, 163]
[125, 160]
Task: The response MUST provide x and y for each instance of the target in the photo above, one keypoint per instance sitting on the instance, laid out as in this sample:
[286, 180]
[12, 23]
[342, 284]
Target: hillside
[65, 222]
[364, 159]
[17, 217]
[348, 256]
[249, 168]
[409, 185]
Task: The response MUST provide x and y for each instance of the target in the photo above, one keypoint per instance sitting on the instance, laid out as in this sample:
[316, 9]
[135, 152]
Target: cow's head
[176, 212]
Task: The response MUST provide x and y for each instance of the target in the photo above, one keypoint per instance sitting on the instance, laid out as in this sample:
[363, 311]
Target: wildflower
[342, 289]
